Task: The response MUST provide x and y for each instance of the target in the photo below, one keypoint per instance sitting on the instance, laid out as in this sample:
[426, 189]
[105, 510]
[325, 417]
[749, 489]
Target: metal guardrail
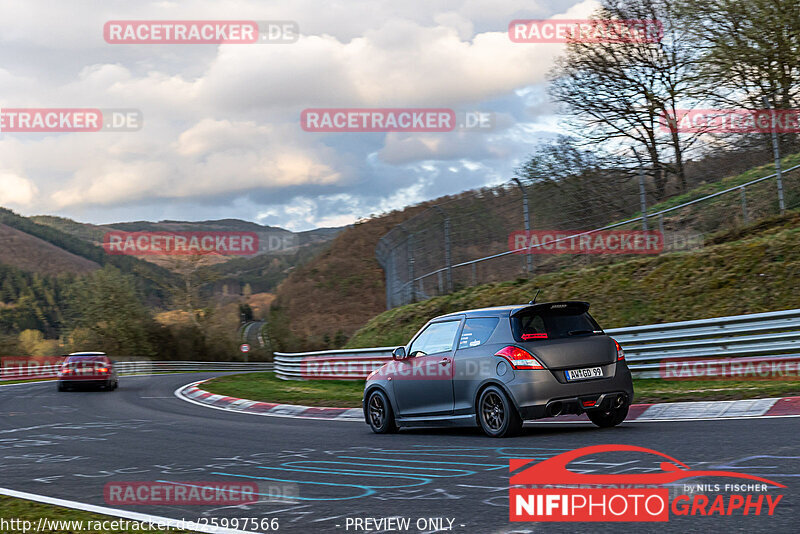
[345, 364]
[140, 367]
[768, 336]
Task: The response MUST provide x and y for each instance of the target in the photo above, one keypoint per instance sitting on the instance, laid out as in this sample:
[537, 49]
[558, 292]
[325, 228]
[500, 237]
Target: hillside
[325, 300]
[336, 293]
[222, 274]
[754, 269]
[151, 279]
[30, 253]
[94, 233]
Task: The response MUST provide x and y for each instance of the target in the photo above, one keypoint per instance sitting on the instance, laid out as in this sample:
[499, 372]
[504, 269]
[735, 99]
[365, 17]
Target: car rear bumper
[89, 382]
[539, 394]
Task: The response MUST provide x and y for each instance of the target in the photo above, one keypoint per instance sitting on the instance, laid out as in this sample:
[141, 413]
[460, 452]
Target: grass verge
[265, 387]
[755, 274]
[23, 510]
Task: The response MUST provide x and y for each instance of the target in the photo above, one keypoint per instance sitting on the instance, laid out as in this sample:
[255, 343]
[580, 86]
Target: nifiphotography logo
[548, 491]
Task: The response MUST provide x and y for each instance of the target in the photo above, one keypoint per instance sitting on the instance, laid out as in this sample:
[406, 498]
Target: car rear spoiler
[576, 305]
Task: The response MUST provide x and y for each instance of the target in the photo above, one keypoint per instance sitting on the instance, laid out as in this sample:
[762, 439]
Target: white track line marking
[115, 512]
[184, 398]
[679, 420]
[52, 380]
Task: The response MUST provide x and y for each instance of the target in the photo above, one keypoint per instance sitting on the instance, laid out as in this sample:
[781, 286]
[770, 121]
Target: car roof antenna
[534, 297]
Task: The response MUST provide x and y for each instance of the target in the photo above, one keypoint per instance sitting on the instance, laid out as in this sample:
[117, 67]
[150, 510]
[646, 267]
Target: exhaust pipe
[619, 401]
[554, 408]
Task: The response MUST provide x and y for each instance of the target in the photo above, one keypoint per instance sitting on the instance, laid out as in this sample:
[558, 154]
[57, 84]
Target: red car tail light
[620, 352]
[102, 369]
[519, 358]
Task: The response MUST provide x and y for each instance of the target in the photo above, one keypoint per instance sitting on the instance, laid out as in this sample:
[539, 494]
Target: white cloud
[16, 190]
[221, 123]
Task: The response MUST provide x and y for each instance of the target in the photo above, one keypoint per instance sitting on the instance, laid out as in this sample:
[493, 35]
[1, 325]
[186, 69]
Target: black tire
[61, 387]
[608, 418]
[497, 416]
[379, 413]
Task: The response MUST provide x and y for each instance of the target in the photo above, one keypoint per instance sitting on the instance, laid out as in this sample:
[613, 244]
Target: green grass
[726, 183]
[11, 508]
[265, 387]
[754, 269]
[652, 390]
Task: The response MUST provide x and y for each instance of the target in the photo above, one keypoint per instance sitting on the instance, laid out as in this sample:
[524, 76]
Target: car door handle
[444, 361]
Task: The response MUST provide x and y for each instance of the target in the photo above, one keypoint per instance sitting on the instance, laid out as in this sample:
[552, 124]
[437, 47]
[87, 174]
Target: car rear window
[477, 331]
[558, 322]
[87, 359]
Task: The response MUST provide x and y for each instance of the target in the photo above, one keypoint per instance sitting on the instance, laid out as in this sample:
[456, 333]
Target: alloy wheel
[377, 411]
[493, 411]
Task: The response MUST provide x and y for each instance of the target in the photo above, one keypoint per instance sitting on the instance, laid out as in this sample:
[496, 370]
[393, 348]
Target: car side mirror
[399, 353]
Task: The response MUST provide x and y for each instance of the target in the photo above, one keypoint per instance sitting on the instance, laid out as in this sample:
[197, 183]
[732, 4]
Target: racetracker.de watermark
[180, 493]
[597, 242]
[29, 367]
[395, 120]
[755, 368]
[181, 243]
[378, 120]
[420, 367]
[585, 31]
[730, 121]
[43, 120]
[201, 32]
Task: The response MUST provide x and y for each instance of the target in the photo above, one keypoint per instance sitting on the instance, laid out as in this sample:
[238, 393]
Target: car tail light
[102, 369]
[620, 352]
[519, 358]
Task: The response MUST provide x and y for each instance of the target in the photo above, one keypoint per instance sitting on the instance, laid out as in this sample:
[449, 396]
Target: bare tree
[566, 175]
[748, 49]
[617, 94]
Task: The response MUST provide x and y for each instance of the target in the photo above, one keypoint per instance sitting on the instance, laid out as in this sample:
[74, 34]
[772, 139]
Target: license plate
[584, 374]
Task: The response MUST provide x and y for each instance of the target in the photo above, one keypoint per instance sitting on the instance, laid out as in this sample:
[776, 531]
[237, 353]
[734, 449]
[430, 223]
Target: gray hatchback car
[496, 367]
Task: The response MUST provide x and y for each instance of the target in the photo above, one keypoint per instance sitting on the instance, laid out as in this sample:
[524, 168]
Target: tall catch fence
[469, 239]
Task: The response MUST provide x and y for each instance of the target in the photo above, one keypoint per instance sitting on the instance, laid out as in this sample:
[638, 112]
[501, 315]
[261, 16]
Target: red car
[87, 369]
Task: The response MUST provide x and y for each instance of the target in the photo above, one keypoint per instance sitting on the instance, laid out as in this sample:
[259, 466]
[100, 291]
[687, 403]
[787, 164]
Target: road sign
[244, 347]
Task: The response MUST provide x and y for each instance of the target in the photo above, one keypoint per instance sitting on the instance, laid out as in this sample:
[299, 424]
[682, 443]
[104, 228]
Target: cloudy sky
[222, 135]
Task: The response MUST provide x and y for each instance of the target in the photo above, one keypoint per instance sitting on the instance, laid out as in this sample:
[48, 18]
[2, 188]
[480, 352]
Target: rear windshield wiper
[584, 332]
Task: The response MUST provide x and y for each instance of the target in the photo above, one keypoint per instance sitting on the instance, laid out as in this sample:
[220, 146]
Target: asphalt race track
[69, 445]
